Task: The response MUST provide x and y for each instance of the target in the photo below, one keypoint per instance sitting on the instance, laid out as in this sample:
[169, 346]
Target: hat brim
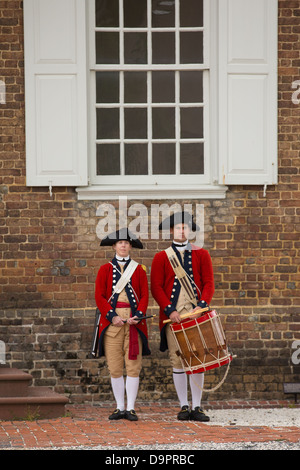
[120, 235]
[179, 218]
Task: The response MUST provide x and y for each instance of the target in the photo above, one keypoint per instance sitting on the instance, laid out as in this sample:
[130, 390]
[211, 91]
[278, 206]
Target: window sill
[113, 192]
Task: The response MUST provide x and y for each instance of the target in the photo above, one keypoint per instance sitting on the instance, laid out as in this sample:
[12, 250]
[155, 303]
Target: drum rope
[217, 335]
[218, 331]
[190, 346]
[218, 385]
[178, 346]
[183, 359]
[205, 344]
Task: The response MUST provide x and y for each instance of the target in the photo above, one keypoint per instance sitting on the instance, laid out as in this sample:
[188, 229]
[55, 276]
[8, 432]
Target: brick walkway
[88, 425]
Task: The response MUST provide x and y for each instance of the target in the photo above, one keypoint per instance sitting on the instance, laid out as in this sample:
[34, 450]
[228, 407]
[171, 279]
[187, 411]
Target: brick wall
[50, 255]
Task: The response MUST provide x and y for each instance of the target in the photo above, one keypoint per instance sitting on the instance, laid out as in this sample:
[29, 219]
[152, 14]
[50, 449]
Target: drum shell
[202, 343]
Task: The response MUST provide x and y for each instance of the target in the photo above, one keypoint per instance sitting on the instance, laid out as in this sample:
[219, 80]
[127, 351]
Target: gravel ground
[197, 446]
[271, 417]
[194, 446]
[177, 448]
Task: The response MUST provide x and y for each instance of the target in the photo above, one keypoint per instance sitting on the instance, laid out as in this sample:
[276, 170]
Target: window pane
[191, 159]
[135, 13]
[163, 123]
[163, 14]
[108, 123]
[164, 159]
[191, 87]
[107, 13]
[108, 159]
[136, 159]
[135, 123]
[135, 87]
[191, 122]
[191, 13]
[163, 48]
[107, 48]
[135, 48]
[163, 87]
[107, 87]
[191, 47]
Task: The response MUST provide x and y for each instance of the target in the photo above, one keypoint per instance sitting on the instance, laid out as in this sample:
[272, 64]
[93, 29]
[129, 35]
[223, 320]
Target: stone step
[14, 382]
[40, 403]
[20, 400]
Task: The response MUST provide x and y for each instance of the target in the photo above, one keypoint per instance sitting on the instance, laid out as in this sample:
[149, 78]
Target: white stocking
[180, 382]
[118, 391]
[132, 387]
[196, 384]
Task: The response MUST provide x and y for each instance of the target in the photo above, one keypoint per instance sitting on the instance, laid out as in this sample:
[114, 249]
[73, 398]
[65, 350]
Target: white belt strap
[181, 275]
[125, 278]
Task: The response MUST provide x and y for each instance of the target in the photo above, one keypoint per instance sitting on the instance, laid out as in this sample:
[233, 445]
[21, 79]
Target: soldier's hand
[175, 317]
[117, 321]
[197, 312]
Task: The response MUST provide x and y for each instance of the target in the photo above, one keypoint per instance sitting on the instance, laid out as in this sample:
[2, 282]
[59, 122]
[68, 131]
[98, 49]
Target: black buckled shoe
[131, 415]
[117, 414]
[184, 414]
[198, 415]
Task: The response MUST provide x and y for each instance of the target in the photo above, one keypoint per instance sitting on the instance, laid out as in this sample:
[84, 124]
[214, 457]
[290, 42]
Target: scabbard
[95, 337]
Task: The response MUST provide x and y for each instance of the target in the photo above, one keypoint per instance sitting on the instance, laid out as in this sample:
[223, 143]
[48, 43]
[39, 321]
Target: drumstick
[186, 315]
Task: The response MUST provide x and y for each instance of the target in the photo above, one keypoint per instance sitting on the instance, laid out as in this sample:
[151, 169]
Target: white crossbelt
[125, 277]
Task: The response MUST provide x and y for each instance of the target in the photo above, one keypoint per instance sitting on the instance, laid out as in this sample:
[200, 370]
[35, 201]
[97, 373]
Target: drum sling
[182, 275]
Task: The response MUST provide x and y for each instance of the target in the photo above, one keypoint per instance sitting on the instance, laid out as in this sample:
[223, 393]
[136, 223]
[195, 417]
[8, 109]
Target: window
[150, 78]
[177, 99]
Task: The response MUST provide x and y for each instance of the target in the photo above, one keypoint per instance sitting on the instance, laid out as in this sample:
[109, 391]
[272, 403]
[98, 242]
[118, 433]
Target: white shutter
[248, 91]
[55, 92]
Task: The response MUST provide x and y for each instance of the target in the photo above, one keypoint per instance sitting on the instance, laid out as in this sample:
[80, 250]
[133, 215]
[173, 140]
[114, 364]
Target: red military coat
[138, 298]
[165, 289]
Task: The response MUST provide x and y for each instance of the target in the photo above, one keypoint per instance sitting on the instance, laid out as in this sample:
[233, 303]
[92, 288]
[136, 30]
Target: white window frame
[158, 186]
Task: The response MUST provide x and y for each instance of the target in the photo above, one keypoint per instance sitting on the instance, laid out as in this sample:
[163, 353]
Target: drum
[201, 343]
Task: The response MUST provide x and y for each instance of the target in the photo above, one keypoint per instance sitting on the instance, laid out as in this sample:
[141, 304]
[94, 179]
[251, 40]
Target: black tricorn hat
[122, 234]
[179, 218]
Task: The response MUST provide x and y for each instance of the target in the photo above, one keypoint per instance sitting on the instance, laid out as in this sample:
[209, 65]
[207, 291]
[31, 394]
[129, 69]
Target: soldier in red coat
[174, 302]
[121, 294]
